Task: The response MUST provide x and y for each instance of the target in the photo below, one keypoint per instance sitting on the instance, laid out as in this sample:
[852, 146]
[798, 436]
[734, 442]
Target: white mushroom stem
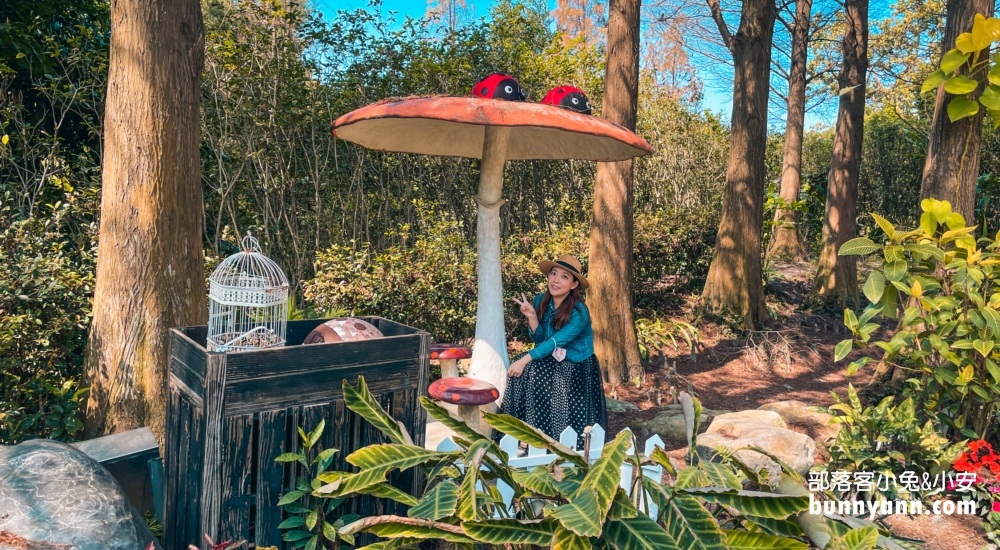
[489, 353]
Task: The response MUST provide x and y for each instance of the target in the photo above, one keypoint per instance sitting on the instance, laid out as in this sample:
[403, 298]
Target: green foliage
[308, 522]
[948, 288]
[889, 438]
[45, 291]
[967, 58]
[569, 503]
[659, 334]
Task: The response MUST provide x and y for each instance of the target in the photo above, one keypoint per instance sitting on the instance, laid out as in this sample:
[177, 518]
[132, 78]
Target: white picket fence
[540, 457]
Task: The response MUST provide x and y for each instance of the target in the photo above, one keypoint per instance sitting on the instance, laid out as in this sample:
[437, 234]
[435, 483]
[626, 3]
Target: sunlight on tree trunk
[954, 148]
[735, 281]
[150, 269]
[610, 264]
[836, 276]
[786, 241]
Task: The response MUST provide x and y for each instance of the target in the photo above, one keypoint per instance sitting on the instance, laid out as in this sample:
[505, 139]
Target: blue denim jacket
[576, 336]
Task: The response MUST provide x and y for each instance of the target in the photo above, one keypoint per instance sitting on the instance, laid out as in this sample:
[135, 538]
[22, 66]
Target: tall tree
[610, 270]
[836, 276]
[786, 240]
[953, 151]
[580, 20]
[735, 279]
[150, 272]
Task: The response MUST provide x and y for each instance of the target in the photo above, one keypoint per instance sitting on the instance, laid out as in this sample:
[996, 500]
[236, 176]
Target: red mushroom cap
[456, 126]
[463, 391]
[450, 351]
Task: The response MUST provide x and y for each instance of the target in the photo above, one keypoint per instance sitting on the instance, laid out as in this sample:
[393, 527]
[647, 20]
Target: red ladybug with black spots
[568, 97]
[499, 86]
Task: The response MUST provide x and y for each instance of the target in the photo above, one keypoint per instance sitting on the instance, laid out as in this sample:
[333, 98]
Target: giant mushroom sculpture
[495, 131]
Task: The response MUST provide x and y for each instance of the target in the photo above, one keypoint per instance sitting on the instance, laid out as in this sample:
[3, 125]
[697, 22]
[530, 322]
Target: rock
[54, 496]
[734, 424]
[819, 425]
[669, 423]
[617, 406]
[795, 449]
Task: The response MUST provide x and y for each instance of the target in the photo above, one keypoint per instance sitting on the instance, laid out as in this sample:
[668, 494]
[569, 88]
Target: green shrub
[948, 287]
[888, 439]
[45, 292]
[571, 502]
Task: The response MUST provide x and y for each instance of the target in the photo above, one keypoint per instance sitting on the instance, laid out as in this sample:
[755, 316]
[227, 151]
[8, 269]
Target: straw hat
[568, 262]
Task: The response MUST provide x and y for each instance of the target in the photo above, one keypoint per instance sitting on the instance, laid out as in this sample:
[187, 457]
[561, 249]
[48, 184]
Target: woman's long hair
[565, 309]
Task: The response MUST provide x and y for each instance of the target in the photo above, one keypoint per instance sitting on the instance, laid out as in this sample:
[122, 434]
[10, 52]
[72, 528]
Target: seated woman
[558, 383]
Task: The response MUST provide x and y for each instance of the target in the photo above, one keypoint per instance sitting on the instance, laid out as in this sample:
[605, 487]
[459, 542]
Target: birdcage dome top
[248, 278]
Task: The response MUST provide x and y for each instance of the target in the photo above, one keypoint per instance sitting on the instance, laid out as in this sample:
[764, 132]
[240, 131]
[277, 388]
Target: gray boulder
[669, 423]
[820, 425]
[54, 496]
[735, 432]
[617, 406]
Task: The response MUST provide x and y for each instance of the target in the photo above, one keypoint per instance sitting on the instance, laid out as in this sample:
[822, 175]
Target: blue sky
[717, 98]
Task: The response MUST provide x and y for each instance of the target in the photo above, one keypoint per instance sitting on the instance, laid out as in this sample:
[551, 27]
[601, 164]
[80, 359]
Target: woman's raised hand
[527, 309]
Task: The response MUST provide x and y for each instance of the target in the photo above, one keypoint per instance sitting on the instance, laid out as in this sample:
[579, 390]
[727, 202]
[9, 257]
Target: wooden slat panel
[271, 436]
[187, 361]
[192, 473]
[320, 386]
[172, 479]
[211, 493]
[235, 471]
[292, 359]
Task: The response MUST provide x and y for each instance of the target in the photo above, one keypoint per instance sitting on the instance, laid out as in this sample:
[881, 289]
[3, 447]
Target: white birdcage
[248, 302]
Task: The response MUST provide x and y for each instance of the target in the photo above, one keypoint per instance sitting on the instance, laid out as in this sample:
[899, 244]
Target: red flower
[996, 506]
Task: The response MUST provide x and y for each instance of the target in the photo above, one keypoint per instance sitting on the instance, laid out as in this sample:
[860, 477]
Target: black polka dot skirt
[551, 395]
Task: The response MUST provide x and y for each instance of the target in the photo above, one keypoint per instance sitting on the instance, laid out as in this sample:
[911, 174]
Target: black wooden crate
[230, 415]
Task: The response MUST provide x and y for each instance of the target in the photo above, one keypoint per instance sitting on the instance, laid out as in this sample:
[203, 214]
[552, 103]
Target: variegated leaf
[443, 416]
[468, 501]
[564, 539]
[604, 476]
[708, 474]
[622, 507]
[385, 490]
[394, 527]
[782, 527]
[755, 503]
[511, 531]
[360, 400]
[691, 525]
[354, 482]
[439, 502]
[580, 515]
[532, 436]
[392, 456]
[539, 481]
[745, 540]
[638, 533]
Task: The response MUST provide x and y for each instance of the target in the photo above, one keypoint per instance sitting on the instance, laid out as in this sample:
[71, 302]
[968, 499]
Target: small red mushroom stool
[448, 356]
[468, 394]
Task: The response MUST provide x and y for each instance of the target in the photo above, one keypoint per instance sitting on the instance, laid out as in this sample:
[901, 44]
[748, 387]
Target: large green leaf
[781, 527]
[933, 81]
[755, 503]
[874, 286]
[398, 526]
[992, 318]
[886, 225]
[454, 423]
[638, 533]
[842, 349]
[532, 436]
[865, 538]
[385, 490]
[691, 525]
[858, 246]
[468, 501]
[745, 540]
[621, 506]
[960, 84]
[564, 539]
[511, 531]
[539, 481]
[392, 456]
[361, 401]
[961, 107]
[605, 475]
[439, 502]
[708, 474]
[581, 514]
[354, 482]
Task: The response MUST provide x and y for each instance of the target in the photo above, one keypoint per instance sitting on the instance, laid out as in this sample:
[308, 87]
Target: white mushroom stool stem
[489, 353]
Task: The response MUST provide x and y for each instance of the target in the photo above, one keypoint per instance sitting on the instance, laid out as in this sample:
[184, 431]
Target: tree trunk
[836, 276]
[610, 263]
[150, 267]
[735, 281]
[953, 150]
[786, 241]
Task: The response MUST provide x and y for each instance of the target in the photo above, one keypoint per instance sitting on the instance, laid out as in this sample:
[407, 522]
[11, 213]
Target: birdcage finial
[250, 244]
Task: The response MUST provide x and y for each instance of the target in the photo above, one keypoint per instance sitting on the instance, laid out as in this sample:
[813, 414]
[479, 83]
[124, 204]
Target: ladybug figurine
[568, 97]
[499, 86]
